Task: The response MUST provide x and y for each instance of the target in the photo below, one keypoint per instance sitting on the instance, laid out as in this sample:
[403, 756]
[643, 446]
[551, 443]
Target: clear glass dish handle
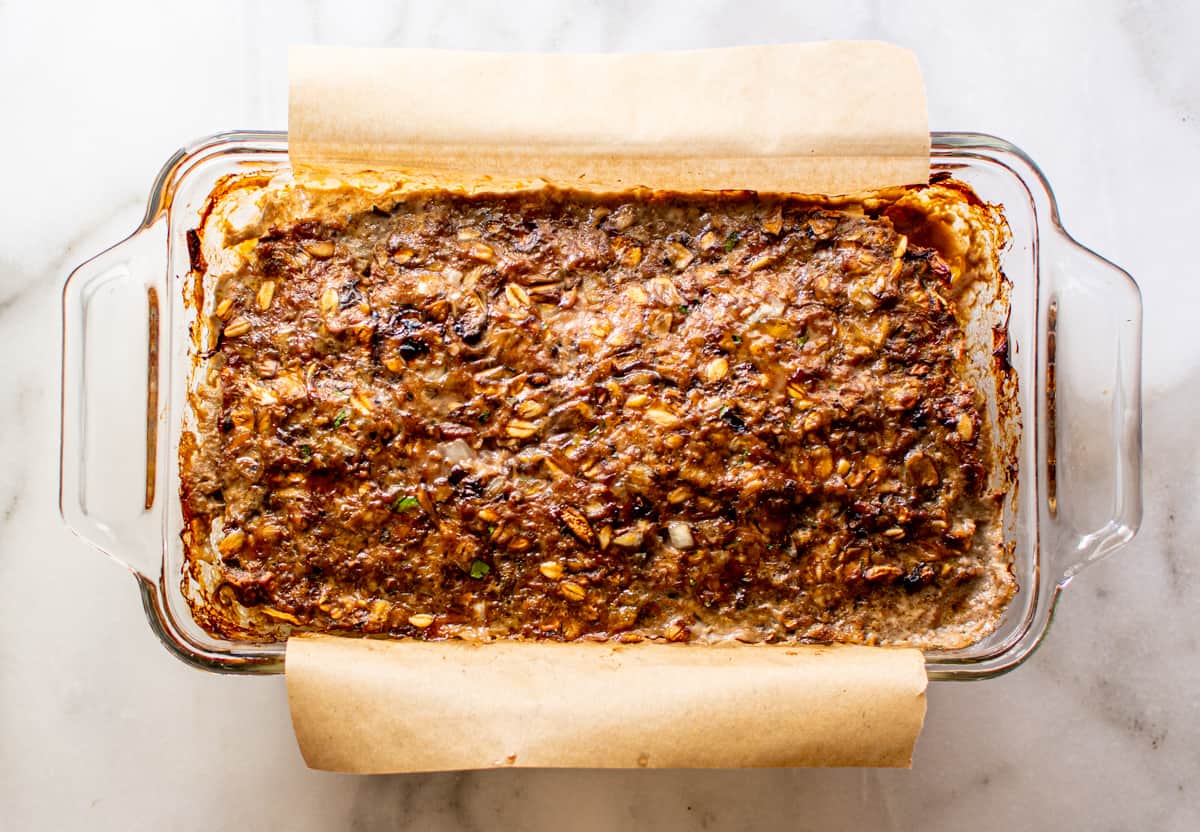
[1093, 444]
[110, 399]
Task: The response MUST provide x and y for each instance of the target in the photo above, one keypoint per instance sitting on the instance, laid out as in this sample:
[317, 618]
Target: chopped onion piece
[680, 534]
[456, 451]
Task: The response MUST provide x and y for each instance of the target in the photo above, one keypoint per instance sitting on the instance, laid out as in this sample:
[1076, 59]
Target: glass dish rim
[1021, 642]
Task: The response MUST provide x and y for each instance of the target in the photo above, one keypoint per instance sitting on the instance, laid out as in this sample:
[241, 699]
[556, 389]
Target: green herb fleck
[737, 339]
[484, 416]
[405, 503]
[341, 418]
[684, 308]
[479, 569]
[491, 529]
[305, 453]
[731, 241]
[802, 340]
[722, 271]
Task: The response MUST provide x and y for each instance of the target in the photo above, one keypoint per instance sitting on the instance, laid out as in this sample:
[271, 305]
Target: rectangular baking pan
[1074, 341]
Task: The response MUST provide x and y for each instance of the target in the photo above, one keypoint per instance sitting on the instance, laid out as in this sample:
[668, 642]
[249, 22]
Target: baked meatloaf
[557, 414]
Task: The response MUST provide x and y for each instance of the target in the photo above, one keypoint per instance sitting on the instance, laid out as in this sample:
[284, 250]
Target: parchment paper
[825, 118]
[820, 118]
[367, 706]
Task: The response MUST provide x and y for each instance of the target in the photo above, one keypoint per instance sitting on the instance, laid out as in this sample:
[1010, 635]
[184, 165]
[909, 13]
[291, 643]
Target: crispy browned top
[558, 415]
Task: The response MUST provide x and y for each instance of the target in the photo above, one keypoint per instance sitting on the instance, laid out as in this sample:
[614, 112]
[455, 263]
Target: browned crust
[565, 578]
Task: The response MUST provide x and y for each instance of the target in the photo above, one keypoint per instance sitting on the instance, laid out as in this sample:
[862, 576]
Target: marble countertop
[100, 728]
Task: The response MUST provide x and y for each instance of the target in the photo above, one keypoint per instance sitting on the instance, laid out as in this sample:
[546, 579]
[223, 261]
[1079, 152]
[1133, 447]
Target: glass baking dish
[1074, 340]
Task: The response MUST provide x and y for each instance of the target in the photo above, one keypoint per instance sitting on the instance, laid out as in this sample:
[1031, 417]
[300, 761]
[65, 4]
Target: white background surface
[101, 729]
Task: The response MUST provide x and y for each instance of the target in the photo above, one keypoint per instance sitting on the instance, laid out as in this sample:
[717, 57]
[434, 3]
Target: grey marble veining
[101, 729]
